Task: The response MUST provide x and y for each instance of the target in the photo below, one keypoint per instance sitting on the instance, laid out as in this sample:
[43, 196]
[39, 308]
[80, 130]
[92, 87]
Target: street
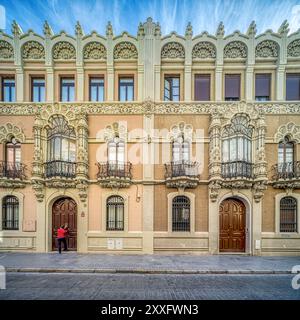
[59, 286]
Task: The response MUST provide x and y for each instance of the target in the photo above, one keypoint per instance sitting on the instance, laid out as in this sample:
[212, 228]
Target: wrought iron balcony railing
[286, 170]
[59, 168]
[114, 169]
[181, 169]
[237, 169]
[12, 170]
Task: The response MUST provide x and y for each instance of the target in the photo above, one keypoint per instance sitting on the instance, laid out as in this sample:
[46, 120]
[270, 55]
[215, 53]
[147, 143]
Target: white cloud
[295, 18]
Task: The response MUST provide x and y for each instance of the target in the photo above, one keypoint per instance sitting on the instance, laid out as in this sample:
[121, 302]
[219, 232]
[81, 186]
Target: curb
[144, 271]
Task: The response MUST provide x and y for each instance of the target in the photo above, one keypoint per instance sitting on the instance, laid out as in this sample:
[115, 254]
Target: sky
[173, 15]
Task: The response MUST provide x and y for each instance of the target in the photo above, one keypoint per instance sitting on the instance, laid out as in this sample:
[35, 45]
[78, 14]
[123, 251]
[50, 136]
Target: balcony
[237, 170]
[114, 174]
[183, 174]
[286, 175]
[12, 174]
[60, 169]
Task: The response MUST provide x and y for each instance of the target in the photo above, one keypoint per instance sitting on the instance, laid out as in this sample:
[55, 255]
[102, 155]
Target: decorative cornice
[149, 107]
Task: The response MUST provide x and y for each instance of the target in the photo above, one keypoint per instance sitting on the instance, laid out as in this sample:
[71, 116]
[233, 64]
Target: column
[187, 83]
[249, 83]
[19, 85]
[280, 85]
[49, 84]
[218, 83]
[110, 83]
[80, 84]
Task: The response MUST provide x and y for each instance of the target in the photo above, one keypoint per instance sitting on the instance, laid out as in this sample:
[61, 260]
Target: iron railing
[286, 170]
[181, 169]
[12, 170]
[237, 169]
[59, 168]
[114, 169]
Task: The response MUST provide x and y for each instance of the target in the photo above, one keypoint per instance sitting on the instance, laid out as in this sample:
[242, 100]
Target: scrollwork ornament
[266, 49]
[172, 50]
[33, 50]
[293, 49]
[64, 50]
[235, 49]
[125, 50]
[94, 50]
[204, 50]
[6, 50]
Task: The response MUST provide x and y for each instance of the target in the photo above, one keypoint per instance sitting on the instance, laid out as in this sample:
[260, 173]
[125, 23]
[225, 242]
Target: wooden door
[232, 217]
[65, 211]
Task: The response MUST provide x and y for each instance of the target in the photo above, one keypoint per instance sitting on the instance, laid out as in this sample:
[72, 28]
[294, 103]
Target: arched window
[116, 151]
[12, 159]
[181, 213]
[10, 213]
[237, 148]
[61, 151]
[180, 150]
[115, 213]
[285, 155]
[288, 214]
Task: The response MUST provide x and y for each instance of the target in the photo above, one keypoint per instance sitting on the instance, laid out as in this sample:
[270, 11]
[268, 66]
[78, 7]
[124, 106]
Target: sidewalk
[180, 264]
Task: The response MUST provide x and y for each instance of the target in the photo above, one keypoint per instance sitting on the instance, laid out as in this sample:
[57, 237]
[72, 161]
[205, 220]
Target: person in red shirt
[61, 238]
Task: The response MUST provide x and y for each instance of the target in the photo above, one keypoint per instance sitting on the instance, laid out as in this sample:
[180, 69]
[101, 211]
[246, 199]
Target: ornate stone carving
[186, 182]
[115, 130]
[16, 30]
[220, 30]
[181, 129]
[115, 182]
[204, 50]
[189, 30]
[64, 50]
[284, 28]
[125, 50]
[109, 30]
[293, 49]
[172, 50]
[267, 49]
[6, 50]
[33, 50]
[258, 190]
[78, 30]
[290, 129]
[214, 189]
[11, 183]
[47, 30]
[251, 32]
[235, 49]
[39, 189]
[9, 131]
[94, 50]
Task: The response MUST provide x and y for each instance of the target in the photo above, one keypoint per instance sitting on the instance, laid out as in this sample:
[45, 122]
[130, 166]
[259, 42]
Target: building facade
[151, 144]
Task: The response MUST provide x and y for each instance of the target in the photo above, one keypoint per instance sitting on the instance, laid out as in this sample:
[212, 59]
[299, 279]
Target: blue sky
[173, 15]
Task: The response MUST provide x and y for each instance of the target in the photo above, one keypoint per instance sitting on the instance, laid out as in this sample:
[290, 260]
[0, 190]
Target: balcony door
[286, 156]
[232, 222]
[12, 158]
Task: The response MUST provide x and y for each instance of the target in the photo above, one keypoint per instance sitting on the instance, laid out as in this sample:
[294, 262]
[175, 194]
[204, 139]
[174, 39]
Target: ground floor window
[288, 214]
[10, 213]
[115, 213]
[181, 214]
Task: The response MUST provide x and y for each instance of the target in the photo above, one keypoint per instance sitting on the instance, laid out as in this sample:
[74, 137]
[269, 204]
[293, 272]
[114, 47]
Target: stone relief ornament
[33, 50]
[204, 50]
[125, 50]
[172, 50]
[251, 32]
[293, 49]
[94, 50]
[235, 49]
[267, 49]
[6, 50]
[9, 131]
[220, 30]
[64, 50]
[47, 30]
[290, 129]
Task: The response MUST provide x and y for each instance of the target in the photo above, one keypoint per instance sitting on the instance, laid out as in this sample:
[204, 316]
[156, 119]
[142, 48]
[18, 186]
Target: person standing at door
[61, 238]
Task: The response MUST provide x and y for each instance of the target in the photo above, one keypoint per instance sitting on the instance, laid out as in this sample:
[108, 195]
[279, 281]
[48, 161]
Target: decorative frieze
[172, 50]
[235, 50]
[204, 50]
[125, 50]
[267, 49]
[33, 50]
[63, 50]
[6, 50]
[293, 49]
[94, 50]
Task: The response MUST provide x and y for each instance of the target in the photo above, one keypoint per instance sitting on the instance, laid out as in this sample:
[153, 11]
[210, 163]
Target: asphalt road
[146, 286]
